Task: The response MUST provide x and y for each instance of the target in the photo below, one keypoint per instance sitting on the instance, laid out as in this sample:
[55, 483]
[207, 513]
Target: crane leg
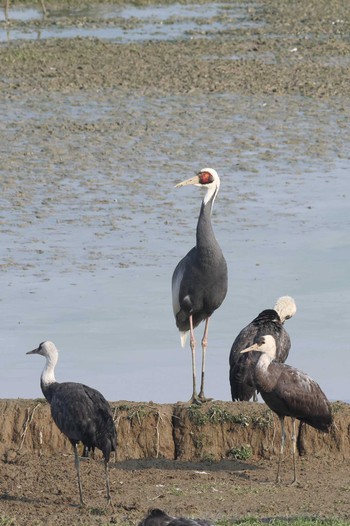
[109, 500]
[43, 7]
[194, 398]
[77, 467]
[294, 444]
[6, 9]
[204, 351]
[283, 438]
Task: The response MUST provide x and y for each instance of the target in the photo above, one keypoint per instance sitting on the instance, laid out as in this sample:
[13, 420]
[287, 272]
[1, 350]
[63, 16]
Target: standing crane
[289, 392]
[199, 282]
[269, 321]
[79, 411]
[7, 4]
[158, 517]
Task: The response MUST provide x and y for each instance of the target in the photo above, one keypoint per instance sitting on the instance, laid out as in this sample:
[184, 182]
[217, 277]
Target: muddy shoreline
[297, 49]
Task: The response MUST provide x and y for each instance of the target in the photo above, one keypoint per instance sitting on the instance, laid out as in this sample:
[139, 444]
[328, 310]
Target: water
[92, 228]
[125, 23]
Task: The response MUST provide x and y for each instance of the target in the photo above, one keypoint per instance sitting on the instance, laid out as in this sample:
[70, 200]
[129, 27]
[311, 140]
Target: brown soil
[216, 461]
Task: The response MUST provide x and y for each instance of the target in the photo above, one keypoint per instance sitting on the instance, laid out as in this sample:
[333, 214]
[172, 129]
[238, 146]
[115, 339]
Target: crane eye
[205, 177]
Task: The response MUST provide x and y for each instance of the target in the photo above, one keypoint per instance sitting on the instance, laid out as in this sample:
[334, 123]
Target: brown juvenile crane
[199, 282]
[289, 392]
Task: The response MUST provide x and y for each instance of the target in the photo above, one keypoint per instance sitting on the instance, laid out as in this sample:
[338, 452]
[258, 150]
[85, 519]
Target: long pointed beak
[34, 351]
[254, 347]
[193, 180]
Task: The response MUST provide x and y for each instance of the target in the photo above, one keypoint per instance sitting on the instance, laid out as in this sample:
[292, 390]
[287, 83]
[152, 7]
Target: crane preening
[269, 321]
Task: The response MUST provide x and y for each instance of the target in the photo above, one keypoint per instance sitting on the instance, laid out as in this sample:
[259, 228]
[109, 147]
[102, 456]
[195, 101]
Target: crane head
[206, 177]
[285, 307]
[45, 348]
[266, 344]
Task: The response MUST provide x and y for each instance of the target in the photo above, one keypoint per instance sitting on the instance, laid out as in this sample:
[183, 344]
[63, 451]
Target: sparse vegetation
[175, 491]
[137, 412]
[5, 521]
[336, 407]
[298, 521]
[241, 453]
[263, 420]
[216, 415]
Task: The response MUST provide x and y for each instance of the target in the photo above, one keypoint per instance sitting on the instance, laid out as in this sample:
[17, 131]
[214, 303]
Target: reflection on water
[92, 228]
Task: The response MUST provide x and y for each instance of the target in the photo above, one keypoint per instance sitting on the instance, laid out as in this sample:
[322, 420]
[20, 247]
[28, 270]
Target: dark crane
[289, 392]
[79, 411]
[199, 282]
[158, 517]
[269, 321]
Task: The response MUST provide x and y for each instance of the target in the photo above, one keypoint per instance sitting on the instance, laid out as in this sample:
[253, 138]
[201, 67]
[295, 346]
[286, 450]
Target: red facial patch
[205, 177]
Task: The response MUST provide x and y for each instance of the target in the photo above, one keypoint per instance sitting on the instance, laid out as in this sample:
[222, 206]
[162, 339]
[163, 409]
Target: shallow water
[127, 23]
[92, 228]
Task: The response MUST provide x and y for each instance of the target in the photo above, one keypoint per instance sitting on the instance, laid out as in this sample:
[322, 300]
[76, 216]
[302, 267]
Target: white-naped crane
[158, 517]
[269, 321]
[199, 282]
[289, 392]
[80, 412]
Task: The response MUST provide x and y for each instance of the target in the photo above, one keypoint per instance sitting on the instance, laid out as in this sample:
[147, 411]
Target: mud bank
[286, 48]
[214, 431]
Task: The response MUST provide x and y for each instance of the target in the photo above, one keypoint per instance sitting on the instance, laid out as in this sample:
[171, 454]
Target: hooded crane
[79, 411]
[289, 392]
[269, 321]
[199, 282]
[158, 517]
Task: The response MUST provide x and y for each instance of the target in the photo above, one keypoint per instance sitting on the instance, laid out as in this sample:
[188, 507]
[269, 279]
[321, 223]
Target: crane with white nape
[199, 282]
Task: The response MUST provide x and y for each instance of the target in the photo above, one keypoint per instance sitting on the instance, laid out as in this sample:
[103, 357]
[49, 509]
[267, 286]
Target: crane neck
[264, 361]
[48, 374]
[261, 371]
[205, 233]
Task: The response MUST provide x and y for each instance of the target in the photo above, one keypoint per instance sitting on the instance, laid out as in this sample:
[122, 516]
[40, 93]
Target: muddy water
[92, 228]
[124, 23]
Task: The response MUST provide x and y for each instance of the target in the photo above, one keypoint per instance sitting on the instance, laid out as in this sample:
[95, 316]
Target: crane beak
[34, 351]
[254, 347]
[193, 180]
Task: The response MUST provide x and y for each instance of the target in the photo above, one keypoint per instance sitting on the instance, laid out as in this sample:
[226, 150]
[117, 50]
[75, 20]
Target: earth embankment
[213, 431]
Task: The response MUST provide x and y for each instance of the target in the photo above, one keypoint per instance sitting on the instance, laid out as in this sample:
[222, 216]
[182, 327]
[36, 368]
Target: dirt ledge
[214, 431]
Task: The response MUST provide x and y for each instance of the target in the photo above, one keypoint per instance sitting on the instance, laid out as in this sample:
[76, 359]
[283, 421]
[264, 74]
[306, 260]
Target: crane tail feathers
[183, 338]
